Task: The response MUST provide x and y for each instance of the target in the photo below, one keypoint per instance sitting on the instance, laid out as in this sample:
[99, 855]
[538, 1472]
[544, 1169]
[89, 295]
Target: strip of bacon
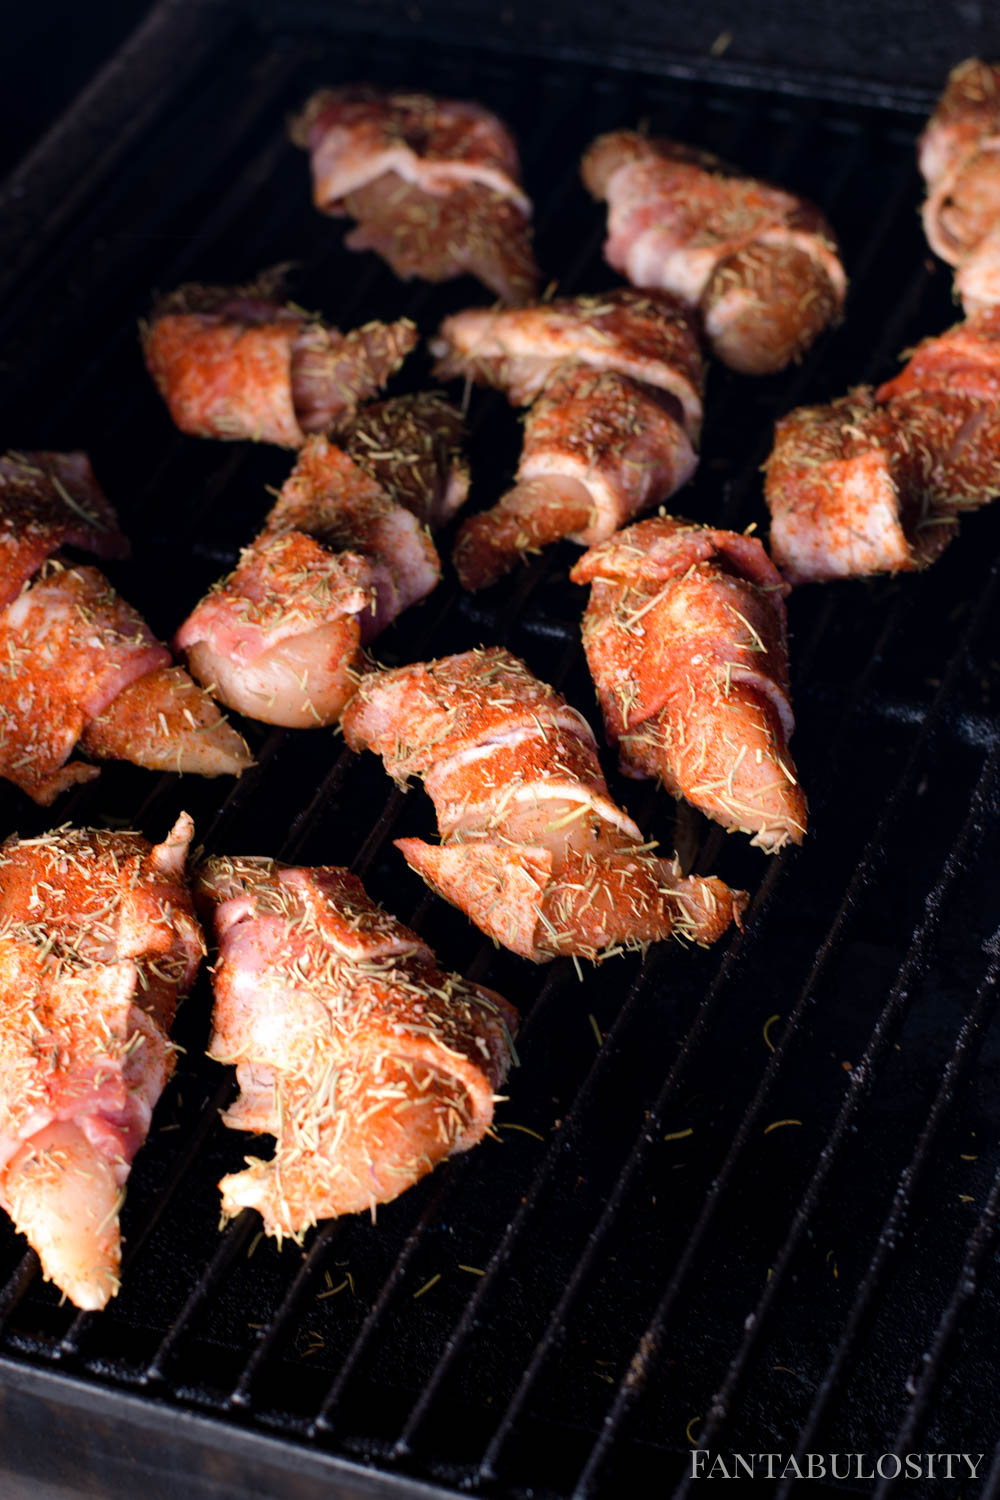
[234, 363]
[686, 641]
[598, 449]
[760, 264]
[959, 155]
[534, 850]
[645, 335]
[280, 638]
[434, 184]
[98, 943]
[367, 1062]
[47, 501]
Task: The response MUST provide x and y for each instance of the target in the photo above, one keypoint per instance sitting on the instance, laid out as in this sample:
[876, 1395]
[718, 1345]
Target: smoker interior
[694, 1225]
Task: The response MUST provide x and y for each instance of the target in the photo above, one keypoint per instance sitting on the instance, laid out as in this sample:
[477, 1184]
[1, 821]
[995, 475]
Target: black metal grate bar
[963, 1056]
[860, 1080]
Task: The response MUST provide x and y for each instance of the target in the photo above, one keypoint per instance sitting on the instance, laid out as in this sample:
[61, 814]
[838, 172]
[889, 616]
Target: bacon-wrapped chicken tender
[847, 489]
[598, 449]
[946, 399]
[645, 335]
[78, 664]
[235, 363]
[685, 638]
[875, 482]
[366, 1062]
[280, 638]
[759, 263]
[533, 849]
[616, 383]
[434, 185]
[68, 646]
[959, 156]
[48, 501]
[98, 943]
[75, 660]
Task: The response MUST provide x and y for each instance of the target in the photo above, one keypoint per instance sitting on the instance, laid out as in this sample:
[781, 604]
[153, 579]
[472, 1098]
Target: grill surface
[653, 1263]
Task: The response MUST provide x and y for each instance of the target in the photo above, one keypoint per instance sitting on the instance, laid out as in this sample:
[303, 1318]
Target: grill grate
[650, 1263]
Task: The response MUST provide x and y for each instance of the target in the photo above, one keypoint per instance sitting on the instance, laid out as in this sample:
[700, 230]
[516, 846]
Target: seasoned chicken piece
[98, 943]
[434, 185]
[47, 501]
[947, 400]
[598, 449]
[686, 642]
[959, 156]
[165, 721]
[69, 648]
[647, 336]
[366, 1062]
[849, 494]
[235, 363]
[534, 850]
[280, 639]
[411, 446]
[759, 263]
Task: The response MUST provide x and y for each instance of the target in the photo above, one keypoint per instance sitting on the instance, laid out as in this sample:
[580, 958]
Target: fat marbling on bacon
[343, 552]
[434, 184]
[959, 155]
[78, 665]
[367, 1062]
[235, 363]
[686, 642]
[760, 264]
[533, 850]
[616, 383]
[98, 943]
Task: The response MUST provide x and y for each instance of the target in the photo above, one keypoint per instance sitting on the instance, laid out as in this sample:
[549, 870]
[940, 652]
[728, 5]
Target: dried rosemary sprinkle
[524, 1129]
[427, 1286]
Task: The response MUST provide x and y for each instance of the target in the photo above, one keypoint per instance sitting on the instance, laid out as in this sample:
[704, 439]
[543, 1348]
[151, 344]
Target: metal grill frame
[146, 1425]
